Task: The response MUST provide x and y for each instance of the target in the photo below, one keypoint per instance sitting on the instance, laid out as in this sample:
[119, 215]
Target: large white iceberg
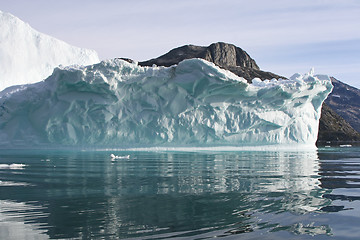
[116, 104]
[27, 56]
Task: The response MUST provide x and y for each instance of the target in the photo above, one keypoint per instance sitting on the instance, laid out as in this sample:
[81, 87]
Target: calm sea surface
[180, 195]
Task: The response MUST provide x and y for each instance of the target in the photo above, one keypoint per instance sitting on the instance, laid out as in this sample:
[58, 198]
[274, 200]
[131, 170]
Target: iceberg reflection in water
[166, 195]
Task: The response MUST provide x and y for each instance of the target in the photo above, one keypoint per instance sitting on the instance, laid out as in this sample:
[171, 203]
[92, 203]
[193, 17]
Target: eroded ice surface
[28, 56]
[120, 104]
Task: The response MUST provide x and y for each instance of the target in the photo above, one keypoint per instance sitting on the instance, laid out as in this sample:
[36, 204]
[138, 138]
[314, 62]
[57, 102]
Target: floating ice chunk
[113, 157]
[345, 145]
[12, 166]
[12, 184]
[117, 104]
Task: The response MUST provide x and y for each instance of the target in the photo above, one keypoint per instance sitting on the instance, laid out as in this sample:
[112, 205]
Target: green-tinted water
[153, 195]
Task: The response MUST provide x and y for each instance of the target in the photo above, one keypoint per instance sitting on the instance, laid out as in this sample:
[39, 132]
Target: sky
[284, 37]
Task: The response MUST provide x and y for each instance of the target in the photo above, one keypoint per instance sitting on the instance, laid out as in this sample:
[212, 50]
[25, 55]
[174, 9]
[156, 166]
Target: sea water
[180, 195]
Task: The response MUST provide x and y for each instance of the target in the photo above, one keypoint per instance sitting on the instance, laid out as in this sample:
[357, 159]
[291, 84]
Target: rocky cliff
[345, 100]
[224, 55]
[334, 128]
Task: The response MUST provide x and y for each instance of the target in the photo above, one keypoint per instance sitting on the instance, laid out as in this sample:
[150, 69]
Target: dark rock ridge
[334, 128]
[343, 102]
[224, 55]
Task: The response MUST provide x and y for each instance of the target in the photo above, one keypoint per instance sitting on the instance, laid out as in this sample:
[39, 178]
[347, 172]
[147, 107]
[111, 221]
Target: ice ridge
[117, 104]
[28, 56]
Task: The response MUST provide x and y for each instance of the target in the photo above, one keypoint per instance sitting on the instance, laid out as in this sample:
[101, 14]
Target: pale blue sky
[282, 36]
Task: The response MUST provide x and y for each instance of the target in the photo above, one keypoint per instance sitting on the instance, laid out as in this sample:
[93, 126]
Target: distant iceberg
[28, 56]
[117, 104]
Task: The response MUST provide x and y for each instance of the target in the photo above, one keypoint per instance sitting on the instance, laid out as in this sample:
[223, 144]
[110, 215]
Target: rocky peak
[222, 54]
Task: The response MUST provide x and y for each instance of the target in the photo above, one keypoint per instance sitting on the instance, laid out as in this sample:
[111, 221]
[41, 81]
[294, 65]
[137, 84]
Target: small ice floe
[11, 184]
[113, 157]
[12, 166]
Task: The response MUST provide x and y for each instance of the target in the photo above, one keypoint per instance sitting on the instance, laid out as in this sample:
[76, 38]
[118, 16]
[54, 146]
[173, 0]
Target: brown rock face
[224, 55]
[345, 101]
[333, 128]
[228, 55]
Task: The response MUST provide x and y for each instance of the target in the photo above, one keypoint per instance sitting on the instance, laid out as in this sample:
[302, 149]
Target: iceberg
[118, 104]
[28, 56]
